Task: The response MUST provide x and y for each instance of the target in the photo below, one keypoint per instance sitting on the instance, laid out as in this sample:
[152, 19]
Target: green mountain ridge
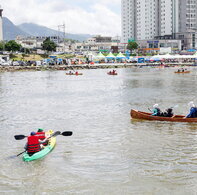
[11, 31]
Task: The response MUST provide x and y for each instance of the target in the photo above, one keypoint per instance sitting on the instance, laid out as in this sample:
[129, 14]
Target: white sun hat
[191, 104]
[155, 105]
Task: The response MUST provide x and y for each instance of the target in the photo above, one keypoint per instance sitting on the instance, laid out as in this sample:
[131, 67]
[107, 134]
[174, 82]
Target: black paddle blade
[67, 133]
[19, 137]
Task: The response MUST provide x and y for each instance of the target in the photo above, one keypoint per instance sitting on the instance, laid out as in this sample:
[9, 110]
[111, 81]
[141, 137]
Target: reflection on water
[109, 153]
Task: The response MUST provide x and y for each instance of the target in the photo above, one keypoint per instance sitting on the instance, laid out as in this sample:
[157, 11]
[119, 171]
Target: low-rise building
[35, 43]
[99, 43]
[188, 39]
[159, 46]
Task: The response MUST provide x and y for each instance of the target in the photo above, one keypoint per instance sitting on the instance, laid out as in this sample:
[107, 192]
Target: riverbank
[85, 66]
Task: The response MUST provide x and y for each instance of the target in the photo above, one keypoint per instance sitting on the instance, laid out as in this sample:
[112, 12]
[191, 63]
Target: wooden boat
[182, 71]
[135, 114]
[74, 74]
[111, 73]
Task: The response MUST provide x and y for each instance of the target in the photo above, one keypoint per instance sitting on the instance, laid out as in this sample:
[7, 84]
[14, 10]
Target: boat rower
[193, 111]
[156, 111]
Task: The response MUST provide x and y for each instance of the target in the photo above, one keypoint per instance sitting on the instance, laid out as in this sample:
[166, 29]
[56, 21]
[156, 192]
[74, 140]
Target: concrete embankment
[62, 67]
[79, 67]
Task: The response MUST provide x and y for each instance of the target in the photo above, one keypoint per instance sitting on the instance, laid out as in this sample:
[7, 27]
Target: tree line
[13, 46]
[48, 46]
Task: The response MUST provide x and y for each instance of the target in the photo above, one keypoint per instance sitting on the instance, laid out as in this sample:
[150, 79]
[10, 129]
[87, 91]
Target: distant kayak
[111, 73]
[74, 74]
[43, 152]
[148, 116]
[182, 71]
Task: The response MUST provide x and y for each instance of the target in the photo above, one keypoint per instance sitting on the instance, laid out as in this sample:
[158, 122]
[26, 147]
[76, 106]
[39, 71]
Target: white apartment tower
[1, 25]
[188, 15]
[145, 19]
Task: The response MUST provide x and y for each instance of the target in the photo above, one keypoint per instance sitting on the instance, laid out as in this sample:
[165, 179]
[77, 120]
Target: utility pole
[60, 29]
[1, 24]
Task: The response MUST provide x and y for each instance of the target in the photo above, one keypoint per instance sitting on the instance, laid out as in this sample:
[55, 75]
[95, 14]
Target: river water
[108, 153]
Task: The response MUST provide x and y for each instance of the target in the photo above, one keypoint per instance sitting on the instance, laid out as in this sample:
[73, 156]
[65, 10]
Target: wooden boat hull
[135, 114]
[182, 72]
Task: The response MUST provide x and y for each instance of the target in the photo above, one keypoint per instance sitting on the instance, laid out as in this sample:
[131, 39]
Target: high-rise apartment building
[1, 25]
[145, 19]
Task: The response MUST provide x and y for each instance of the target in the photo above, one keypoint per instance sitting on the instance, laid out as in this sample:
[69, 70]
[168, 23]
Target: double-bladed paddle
[65, 133]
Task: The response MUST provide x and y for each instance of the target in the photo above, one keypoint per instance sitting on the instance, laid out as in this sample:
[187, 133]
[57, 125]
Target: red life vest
[33, 144]
[41, 136]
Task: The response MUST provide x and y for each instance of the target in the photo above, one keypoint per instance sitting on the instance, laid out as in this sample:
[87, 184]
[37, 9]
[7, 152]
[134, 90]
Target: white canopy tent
[100, 56]
[110, 55]
[120, 56]
[177, 56]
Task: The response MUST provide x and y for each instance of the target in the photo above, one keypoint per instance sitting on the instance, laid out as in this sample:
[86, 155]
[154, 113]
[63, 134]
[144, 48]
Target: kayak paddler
[33, 143]
[41, 135]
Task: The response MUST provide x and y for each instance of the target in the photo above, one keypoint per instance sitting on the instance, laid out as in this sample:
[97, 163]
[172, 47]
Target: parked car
[21, 63]
[5, 63]
[15, 63]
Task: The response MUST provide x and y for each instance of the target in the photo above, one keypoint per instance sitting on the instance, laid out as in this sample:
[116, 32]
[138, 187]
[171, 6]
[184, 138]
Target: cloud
[80, 16]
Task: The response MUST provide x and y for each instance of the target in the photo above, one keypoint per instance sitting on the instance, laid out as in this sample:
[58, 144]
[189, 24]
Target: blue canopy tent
[191, 50]
[127, 53]
[53, 57]
[141, 60]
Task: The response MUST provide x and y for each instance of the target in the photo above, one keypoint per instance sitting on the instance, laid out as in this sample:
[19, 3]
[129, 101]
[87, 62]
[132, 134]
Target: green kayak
[43, 152]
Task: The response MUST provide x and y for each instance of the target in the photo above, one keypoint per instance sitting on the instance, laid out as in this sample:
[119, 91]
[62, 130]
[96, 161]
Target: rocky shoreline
[80, 67]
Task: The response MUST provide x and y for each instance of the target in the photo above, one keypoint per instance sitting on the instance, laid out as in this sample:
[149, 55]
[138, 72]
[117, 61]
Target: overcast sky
[80, 16]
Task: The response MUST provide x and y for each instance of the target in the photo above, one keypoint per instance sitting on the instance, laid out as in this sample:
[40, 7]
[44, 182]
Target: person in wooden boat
[193, 111]
[41, 135]
[168, 112]
[76, 73]
[114, 72]
[156, 110]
